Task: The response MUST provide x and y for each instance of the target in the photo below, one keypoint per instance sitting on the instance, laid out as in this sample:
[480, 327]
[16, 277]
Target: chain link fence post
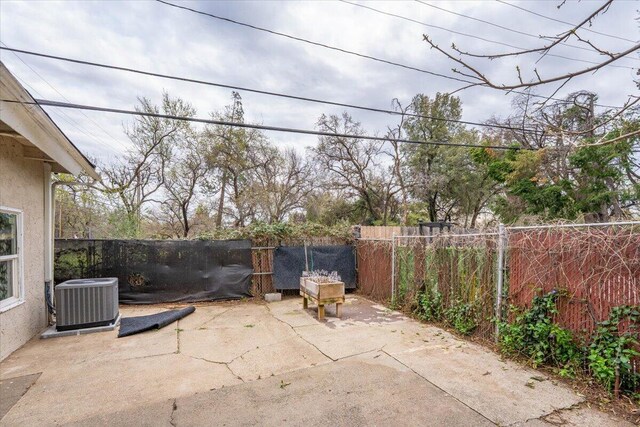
[502, 235]
[393, 269]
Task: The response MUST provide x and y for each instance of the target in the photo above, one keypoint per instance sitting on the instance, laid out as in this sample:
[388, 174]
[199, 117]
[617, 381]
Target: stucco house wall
[22, 187]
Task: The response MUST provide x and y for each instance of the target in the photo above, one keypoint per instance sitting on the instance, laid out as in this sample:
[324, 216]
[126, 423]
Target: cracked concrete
[248, 363]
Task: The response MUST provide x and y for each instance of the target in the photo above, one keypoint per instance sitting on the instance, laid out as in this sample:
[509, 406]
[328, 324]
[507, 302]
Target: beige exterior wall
[22, 187]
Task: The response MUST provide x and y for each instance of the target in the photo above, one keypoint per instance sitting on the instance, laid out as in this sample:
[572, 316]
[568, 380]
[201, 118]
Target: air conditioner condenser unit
[86, 303]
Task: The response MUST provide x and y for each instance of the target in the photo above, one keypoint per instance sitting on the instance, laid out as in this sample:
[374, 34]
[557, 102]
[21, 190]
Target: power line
[62, 115]
[77, 125]
[44, 102]
[493, 24]
[262, 92]
[473, 83]
[326, 46]
[405, 18]
[564, 22]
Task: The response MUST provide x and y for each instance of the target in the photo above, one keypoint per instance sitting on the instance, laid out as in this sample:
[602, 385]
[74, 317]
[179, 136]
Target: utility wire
[405, 18]
[326, 46]
[564, 22]
[62, 115]
[77, 125]
[47, 103]
[493, 24]
[262, 92]
[474, 83]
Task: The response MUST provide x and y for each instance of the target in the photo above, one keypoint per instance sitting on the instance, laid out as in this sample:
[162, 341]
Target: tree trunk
[185, 219]
[221, 203]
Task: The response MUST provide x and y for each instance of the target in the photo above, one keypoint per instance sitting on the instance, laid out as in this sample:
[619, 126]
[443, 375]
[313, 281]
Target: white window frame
[18, 263]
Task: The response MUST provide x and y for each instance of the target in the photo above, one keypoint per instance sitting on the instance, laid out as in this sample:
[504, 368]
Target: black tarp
[152, 271]
[289, 263]
[135, 325]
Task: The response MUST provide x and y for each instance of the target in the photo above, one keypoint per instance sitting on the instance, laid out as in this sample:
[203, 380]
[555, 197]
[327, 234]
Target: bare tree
[183, 180]
[536, 78]
[234, 153]
[354, 164]
[400, 159]
[140, 175]
[282, 184]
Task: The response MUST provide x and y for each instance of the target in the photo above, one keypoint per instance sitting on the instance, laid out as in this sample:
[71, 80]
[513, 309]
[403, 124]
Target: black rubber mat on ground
[135, 325]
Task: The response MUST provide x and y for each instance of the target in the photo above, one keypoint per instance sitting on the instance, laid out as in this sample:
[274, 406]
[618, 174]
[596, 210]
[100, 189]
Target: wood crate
[322, 293]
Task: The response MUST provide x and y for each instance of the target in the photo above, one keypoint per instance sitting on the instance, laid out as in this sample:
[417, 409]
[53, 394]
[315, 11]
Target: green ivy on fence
[445, 281]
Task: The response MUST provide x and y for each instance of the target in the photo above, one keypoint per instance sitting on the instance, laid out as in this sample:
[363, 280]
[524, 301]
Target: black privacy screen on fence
[289, 262]
[152, 271]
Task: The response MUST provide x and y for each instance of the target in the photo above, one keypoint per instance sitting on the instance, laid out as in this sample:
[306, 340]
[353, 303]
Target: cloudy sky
[152, 36]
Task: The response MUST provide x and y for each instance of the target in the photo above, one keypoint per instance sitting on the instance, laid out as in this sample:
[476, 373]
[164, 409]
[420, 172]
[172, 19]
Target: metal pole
[449, 235]
[592, 224]
[393, 269]
[500, 281]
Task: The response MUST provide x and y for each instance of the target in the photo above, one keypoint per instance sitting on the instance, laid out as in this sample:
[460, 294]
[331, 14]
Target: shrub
[462, 317]
[610, 354]
[534, 334]
[263, 233]
[430, 305]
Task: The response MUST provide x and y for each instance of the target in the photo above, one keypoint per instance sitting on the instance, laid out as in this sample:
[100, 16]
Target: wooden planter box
[322, 293]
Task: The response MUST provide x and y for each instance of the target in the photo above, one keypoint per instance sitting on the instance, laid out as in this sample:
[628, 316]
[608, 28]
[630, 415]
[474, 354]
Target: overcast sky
[152, 36]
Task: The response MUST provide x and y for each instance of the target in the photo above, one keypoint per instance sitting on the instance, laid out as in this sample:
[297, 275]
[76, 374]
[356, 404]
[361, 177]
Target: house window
[10, 257]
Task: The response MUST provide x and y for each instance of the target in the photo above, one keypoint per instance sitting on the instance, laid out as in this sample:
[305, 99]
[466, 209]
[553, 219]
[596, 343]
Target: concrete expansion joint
[439, 388]
[300, 336]
[359, 354]
[213, 317]
[145, 357]
[178, 337]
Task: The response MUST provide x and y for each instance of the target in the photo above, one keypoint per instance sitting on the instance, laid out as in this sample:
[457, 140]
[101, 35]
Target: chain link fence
[477, 277]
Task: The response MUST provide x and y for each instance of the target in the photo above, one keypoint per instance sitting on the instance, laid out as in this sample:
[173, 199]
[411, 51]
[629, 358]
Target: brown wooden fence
[373, 260]
[593, 269]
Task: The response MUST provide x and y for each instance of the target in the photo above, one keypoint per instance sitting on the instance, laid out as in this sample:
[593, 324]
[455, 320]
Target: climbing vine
[534, 334]
[611, 352]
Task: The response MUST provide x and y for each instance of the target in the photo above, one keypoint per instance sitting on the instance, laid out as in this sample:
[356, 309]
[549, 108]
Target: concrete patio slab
[12, 390]
[57, 353]
[249, 363]
[205, 314]
[502, 391]
[351, 392]
[274, 359]
[224, 344]
[86, 390]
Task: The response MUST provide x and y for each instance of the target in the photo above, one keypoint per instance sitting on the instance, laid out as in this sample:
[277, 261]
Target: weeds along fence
[479, 276]
[453, 275]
